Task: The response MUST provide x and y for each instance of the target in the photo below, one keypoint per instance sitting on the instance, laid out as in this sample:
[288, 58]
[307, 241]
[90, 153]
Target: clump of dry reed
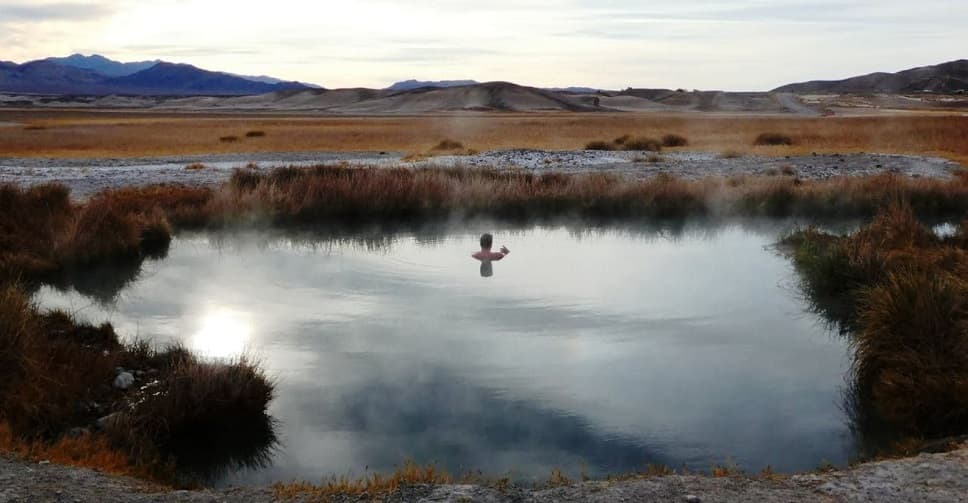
[448, 144]
[627, 142]
[204, 417]
[49, 367]
[901, 291]
[674, 140]
[348, 194]
[604, 145]
[643, 144]
[32, 221]
[42, 231]
[773, 139]
[52, 369]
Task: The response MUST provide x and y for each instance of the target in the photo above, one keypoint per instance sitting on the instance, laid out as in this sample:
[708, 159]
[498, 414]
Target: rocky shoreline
[937, 477]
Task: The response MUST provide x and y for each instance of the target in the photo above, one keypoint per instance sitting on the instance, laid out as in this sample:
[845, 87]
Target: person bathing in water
[486, 256]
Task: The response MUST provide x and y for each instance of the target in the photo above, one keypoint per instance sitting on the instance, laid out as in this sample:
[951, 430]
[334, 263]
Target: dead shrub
[99, 231]
[911, 352]
[674, 140]
[448, 144]
[773, 139]
[47, 369]
[600, 145]
[643, 144]
[902, 294]
[206, 417]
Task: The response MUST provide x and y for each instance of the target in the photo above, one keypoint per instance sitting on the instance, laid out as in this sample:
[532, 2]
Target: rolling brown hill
[487, 97]
[946, 78]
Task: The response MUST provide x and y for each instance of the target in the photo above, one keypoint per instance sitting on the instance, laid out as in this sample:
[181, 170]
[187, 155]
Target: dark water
[599, 351]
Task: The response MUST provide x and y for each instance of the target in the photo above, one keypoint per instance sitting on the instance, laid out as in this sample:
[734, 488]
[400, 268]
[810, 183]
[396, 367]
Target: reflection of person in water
[486, 256]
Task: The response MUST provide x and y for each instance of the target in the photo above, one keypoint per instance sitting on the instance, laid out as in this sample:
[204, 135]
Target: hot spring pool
[596, 351]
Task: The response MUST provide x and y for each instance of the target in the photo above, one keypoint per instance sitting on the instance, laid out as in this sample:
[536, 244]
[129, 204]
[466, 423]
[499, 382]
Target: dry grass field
[90, 134]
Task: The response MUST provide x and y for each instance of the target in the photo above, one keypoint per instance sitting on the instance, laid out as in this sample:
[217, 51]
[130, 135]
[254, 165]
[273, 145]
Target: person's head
[486, 241]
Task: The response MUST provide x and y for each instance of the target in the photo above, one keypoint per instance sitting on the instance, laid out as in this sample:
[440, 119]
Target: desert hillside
[946, 78]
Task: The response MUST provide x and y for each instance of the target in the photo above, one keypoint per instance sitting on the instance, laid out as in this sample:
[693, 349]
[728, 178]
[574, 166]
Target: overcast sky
[706, 44]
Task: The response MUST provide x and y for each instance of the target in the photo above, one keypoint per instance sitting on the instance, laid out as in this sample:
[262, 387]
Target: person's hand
[504, 250]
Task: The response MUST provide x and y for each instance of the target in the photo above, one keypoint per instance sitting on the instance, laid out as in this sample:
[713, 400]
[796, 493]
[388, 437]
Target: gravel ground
[87, 176]
[702, 164]
[927, 478]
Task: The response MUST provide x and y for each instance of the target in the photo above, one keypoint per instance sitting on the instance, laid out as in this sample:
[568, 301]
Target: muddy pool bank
[926, 477]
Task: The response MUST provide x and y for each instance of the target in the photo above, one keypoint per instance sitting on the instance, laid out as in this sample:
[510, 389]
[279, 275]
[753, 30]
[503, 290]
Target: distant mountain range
[99, 76]
[573, 90]
[409, 85]
[102, 65]
[946, 78]
[94, 81]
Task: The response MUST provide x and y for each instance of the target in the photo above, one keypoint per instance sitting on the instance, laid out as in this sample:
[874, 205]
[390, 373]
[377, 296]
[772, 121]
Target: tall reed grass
[43, 232]
[901, 294]
[328, 192]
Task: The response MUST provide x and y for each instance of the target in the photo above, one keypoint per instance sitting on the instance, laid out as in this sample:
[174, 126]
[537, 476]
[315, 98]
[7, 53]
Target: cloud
[723, 44]
[423, 55]
[11, 12]
[830, 12]
[187, 51]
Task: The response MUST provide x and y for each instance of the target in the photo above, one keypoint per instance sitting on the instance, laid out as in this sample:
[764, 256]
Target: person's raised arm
[499, 255]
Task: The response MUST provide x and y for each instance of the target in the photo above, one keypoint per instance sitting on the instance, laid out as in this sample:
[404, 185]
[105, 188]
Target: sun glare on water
[222, 333]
